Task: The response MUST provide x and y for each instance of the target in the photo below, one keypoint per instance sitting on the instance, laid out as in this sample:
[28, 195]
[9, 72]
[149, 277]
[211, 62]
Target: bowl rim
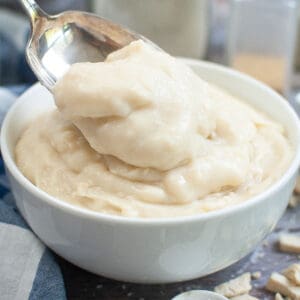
[75, 210]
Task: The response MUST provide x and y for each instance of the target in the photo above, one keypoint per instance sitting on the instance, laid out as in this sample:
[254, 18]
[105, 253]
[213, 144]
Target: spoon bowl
[59, 41]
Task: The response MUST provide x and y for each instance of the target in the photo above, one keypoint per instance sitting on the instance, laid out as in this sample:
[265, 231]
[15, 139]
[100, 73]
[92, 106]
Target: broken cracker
[244, 297]
[235, 287]
[293, 273]
[289, 243]
[278, 297]
[280, 284]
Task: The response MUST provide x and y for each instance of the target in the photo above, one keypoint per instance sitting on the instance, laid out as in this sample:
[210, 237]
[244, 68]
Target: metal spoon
[58, 41]
[199, 295]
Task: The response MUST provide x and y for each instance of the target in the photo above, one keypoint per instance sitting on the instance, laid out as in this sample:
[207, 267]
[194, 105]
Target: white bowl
[156, 250]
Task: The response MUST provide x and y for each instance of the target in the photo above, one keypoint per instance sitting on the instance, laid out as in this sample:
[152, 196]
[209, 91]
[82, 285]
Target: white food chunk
[235, 287]
[244, 297]
[289, 243]
[293, 273]
[280, 284]
[278, 297]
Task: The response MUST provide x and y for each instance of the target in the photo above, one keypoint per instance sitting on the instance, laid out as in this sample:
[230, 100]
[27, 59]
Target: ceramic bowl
[156, 250]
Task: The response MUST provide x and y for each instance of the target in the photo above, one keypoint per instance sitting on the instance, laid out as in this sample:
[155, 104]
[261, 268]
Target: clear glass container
[261, 40]
[177, 26]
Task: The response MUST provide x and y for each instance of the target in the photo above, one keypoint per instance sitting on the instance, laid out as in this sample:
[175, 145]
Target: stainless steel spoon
[58, 41]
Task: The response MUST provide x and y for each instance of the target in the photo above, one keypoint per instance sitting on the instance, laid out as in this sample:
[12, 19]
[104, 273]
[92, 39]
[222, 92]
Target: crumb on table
[289, 243]
[256, 275]
[244, 297]
[280, 284]
[293, 273]
[235, 287]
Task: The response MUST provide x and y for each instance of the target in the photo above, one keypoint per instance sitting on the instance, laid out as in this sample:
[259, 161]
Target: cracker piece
[235, 287]
[293, 273]
[280, 284]
[244, 297]
[289, 243]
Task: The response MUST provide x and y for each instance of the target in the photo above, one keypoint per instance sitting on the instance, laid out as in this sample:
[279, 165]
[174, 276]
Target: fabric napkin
[28, 269]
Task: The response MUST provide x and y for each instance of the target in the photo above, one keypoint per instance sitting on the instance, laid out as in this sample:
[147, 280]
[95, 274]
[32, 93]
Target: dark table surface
[82, 285]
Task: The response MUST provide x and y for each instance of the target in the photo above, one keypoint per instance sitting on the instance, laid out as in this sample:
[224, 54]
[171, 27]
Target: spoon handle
[33, 10]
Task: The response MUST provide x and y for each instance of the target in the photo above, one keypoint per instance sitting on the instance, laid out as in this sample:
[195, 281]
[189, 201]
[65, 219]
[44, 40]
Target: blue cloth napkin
[28, 269]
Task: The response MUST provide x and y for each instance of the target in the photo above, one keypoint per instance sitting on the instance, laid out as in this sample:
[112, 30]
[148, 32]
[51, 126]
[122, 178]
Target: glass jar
[262, 40]
[177, 26]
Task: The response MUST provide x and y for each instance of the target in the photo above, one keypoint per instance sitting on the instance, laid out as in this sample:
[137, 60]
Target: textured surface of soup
[141, 135]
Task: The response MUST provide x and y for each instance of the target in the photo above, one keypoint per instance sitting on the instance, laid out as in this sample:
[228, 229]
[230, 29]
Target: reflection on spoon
[58, 41]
